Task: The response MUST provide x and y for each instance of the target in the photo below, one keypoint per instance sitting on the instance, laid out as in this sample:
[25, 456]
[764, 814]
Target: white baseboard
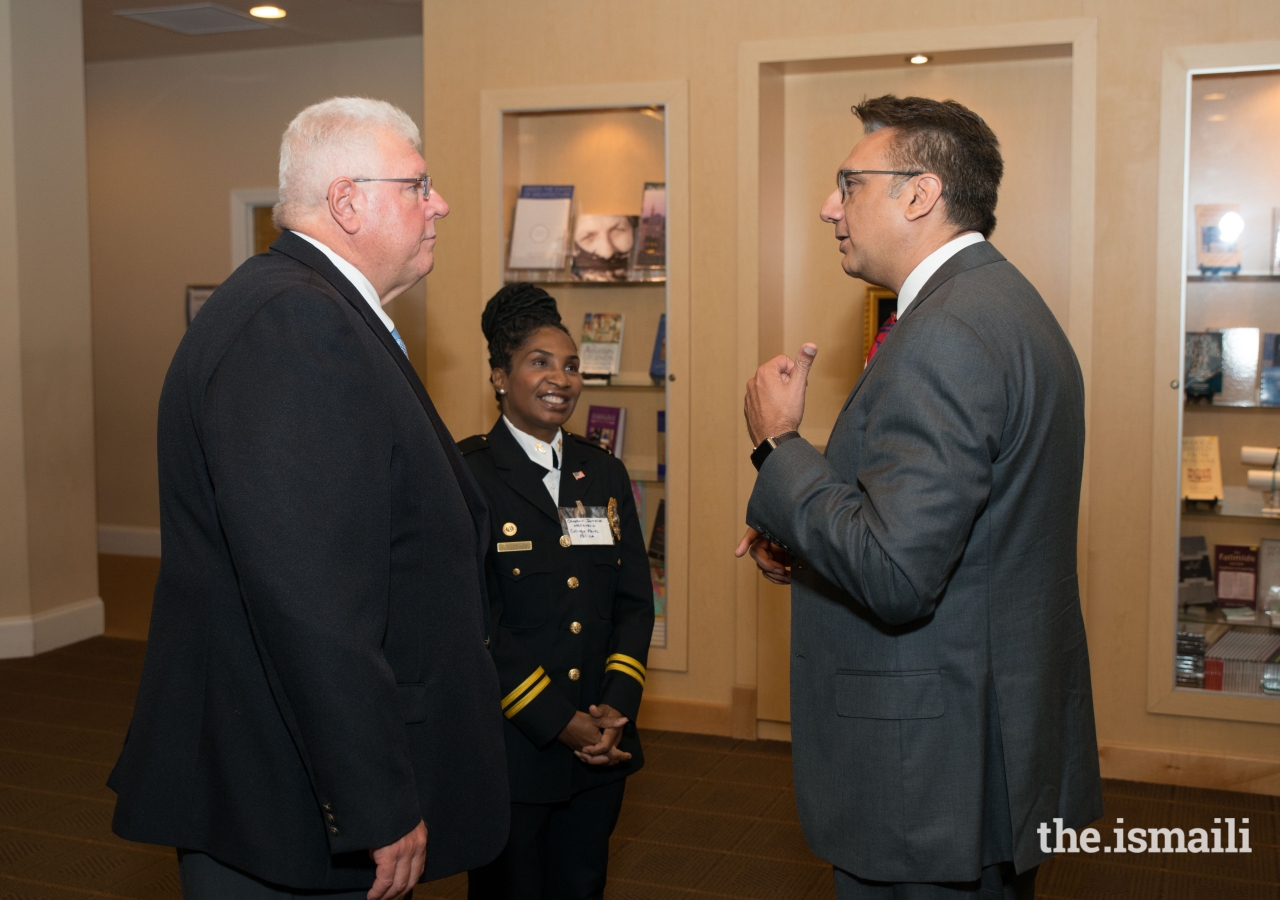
[128, 540]
[767, 730]
[49, 630]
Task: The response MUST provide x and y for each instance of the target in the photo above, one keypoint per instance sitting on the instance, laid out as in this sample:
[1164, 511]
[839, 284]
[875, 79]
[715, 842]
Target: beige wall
[487, 44]
[169, 139]
[48, 556]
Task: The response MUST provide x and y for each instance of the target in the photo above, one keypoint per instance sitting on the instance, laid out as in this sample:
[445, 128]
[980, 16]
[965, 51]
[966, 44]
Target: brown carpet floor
[708, 817]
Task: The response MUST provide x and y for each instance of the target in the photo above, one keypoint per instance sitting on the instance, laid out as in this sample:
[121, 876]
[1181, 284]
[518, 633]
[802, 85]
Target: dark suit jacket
[316, 678]
[534, 610]
[940, 697]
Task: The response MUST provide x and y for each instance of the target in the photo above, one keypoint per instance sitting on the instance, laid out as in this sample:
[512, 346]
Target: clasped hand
[594, 737]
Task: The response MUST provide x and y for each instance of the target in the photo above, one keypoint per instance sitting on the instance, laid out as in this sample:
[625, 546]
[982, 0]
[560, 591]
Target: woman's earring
[502, 392]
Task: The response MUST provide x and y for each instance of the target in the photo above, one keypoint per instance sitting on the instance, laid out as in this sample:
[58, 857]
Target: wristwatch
[761, 453]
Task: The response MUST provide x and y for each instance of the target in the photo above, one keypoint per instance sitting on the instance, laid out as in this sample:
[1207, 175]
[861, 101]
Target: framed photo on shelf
[197, 294]
[881, 303]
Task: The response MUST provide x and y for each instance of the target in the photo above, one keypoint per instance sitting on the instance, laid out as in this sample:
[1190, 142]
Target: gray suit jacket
[940, 698]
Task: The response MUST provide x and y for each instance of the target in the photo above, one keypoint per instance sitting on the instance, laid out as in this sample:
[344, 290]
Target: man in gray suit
[940, 697]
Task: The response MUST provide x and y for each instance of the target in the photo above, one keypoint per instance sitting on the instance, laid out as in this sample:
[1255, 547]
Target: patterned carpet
[708, 817]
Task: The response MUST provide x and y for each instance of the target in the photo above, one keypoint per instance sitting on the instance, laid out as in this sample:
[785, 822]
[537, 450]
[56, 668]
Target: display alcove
[608, 141]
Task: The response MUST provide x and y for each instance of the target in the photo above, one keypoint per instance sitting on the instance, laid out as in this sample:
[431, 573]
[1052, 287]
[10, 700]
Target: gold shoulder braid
[615, 522]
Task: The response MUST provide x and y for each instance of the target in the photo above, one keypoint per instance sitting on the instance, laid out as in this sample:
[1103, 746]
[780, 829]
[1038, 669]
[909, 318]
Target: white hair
[330, 139]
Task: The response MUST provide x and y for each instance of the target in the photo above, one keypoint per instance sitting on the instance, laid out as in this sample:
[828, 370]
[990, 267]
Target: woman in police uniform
[572, 621]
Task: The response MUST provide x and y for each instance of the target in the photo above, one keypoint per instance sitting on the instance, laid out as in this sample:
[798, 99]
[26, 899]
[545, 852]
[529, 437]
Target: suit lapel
[521, 474]
[970, 257]
[304, 252]
[577, 458]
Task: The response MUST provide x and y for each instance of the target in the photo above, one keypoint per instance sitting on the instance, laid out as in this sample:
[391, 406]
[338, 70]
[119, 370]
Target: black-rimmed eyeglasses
[424, 182]
[846, 184]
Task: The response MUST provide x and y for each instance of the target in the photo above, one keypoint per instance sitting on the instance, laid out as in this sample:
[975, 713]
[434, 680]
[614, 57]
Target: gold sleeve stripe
[524, 686]
[626, 670]
[528, 698]
[629, 660]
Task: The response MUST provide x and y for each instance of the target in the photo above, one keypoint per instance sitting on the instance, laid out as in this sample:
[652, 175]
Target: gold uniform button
[573, 581]
[564, 541]
[574, 674]
[576, 628]
[332, 830]
[328, 817]
[515, 571]
[509, 529]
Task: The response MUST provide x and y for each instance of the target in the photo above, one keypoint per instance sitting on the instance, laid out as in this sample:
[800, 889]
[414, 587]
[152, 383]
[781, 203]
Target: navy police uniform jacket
[571, 625]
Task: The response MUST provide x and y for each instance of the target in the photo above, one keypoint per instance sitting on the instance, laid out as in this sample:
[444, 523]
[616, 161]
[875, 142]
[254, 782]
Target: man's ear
[342, 204]
[925, 194]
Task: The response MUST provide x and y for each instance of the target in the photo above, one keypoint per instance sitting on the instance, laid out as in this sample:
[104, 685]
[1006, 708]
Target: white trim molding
[51, 629]
[128, 540]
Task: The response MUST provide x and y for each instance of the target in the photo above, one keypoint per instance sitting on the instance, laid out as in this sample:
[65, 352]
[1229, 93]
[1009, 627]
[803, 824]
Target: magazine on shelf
[658, 362]
[1236, 575]
[601, 350]
[607, 426]
[1203, 366]
[649, 254]
[602, 246]
[540, 227]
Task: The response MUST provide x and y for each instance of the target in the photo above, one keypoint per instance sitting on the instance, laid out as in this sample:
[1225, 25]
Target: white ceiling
[108, 36]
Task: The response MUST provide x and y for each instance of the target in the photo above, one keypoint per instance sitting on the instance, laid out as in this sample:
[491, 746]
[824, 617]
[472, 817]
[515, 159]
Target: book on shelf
[540, 227]
[1218, 227]
[1239, 367]
[1269, 373]
[1203, 366]
[658, 581]
[1201, 468]
[1248, 663]
[658, 362]
[1195, 573]
[649, 254]
[640, 493]
[601, 350]
[607, 426]
[602, 246]
[658, 536]
[1236, 576]
[662, 445]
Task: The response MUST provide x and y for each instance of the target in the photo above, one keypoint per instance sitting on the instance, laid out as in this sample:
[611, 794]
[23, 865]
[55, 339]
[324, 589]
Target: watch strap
[768, 445]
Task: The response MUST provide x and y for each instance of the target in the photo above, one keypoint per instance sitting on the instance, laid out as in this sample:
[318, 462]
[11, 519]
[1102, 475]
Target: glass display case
[584, 192]
[1226, 636]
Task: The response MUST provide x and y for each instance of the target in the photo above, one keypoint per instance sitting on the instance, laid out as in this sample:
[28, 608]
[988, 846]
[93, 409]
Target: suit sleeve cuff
[624, 684]
[537, 709]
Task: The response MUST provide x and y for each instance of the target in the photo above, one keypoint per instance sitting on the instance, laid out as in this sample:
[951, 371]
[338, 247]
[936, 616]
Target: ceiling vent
[194, 18]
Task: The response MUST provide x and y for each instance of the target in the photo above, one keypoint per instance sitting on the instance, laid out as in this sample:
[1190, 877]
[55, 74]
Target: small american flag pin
[579, 475]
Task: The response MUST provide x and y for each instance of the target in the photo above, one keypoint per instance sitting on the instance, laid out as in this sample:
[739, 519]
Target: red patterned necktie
[881, 335]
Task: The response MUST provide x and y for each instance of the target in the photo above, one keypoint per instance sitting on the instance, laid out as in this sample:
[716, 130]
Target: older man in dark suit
[318, 692]
[940, 697]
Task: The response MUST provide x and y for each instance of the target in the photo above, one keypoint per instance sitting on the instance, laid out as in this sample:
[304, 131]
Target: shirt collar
[930, 264]
[356, 277]
[538, 450]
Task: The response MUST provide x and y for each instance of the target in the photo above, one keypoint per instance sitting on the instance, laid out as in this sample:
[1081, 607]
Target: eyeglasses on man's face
[846, 183]
[424, 183]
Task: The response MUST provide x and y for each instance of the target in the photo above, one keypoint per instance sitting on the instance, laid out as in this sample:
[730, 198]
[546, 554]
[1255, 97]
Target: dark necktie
[881, 335]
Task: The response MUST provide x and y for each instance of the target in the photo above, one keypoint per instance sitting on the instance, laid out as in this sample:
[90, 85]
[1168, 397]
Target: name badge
[513, 546]
[586, 526]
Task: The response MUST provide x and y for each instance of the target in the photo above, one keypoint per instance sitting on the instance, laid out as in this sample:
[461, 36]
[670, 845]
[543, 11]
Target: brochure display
[580, 187]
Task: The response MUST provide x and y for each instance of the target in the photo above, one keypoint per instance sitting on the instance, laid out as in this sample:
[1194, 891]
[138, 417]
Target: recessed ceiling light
[1218, 118]
[194, 18]
[918, 60]
[268, 12]
[1215, 96]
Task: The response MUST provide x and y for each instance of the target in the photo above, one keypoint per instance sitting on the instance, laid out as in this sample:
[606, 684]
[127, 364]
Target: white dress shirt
[356, 277]
[540, 452]
[930, 264]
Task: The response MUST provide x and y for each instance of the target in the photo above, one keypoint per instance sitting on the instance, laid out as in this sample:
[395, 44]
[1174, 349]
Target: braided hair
[512, 315]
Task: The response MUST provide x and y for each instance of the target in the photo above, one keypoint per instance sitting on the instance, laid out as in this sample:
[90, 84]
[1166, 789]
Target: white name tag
[588, 531]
